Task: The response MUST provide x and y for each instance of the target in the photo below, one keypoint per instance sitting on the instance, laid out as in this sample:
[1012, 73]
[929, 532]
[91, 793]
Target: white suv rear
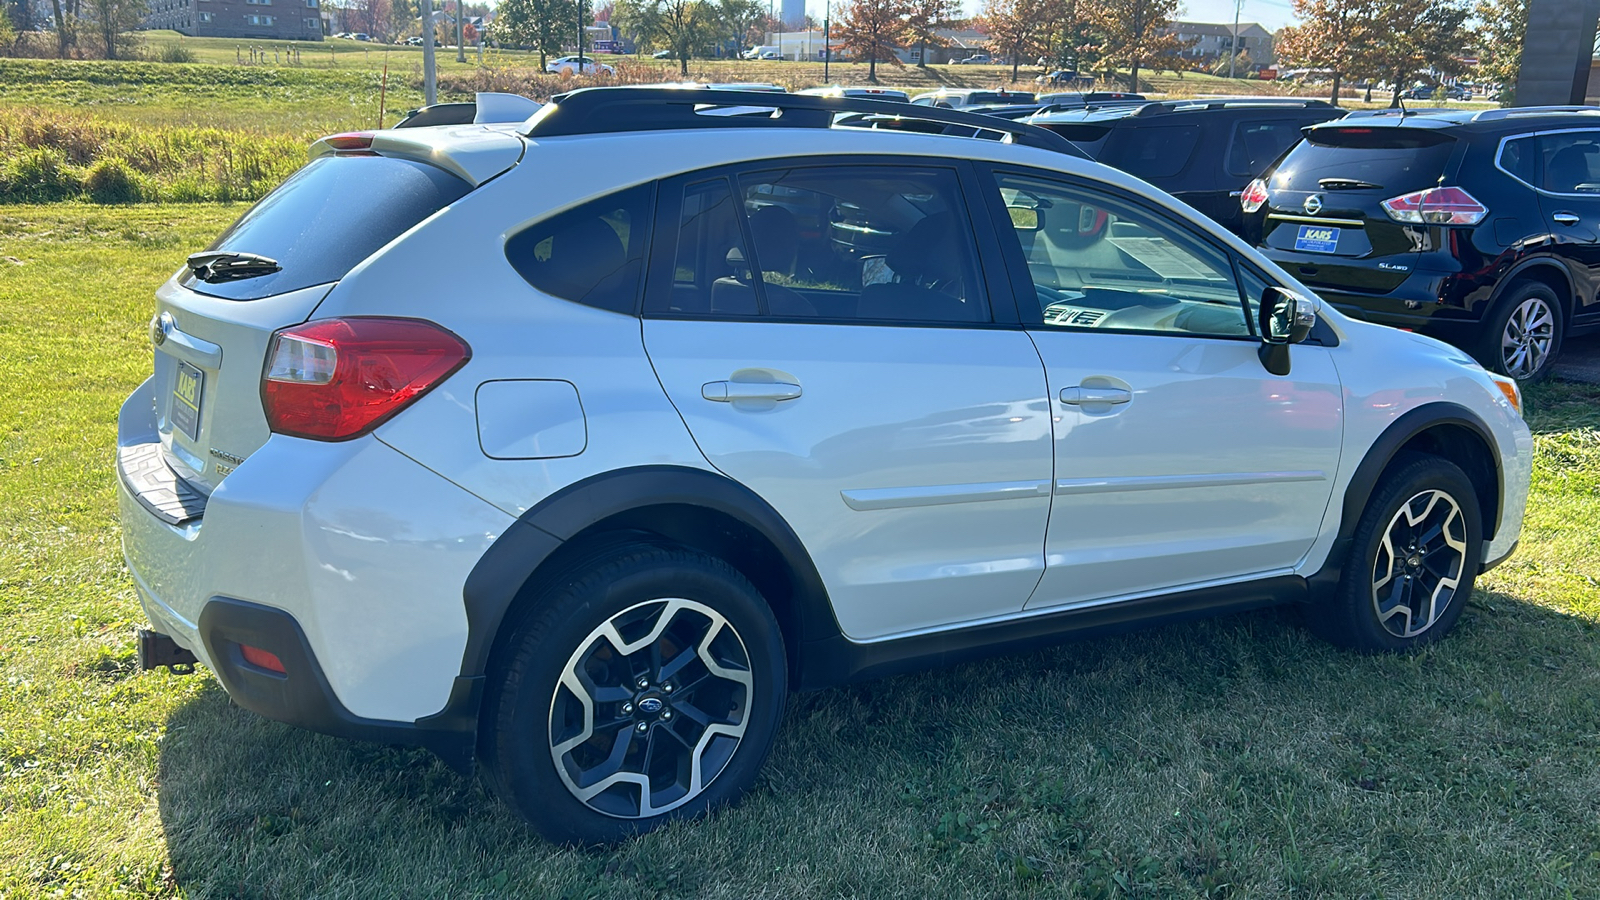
[570, 448]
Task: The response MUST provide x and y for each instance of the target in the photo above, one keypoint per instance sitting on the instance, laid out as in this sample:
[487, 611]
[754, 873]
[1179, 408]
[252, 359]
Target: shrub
[38, 175]
[175, 53]
[111, 181]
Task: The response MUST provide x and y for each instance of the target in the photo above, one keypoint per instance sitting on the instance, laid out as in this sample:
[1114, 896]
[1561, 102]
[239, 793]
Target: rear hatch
[267, 271]
[1324, 215]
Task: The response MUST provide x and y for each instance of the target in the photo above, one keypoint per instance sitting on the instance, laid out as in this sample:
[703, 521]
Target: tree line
[1395, 41]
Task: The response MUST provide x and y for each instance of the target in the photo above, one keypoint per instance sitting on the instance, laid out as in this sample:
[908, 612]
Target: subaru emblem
[650, 705]
[1313, 204]
[161, 328]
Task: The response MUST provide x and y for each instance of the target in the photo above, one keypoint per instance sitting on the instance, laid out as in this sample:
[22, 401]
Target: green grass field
[1234, 758]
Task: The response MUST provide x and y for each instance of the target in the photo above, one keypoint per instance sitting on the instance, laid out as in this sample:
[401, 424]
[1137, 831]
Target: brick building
[268, 20]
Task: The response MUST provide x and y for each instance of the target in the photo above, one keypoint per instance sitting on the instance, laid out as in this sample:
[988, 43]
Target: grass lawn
[1235, 757]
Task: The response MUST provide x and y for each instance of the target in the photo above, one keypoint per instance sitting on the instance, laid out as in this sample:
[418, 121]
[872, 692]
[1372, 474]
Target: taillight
[335, 379]
[350, 140]
[1254, 196]
[1436, 206]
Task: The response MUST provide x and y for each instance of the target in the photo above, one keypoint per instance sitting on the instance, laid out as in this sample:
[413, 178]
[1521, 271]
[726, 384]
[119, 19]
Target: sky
[1273, 14]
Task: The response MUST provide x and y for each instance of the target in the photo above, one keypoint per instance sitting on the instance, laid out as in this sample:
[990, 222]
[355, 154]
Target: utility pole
[461, 45]
[827, 38]
[430, 85]
[1233, 57]
[580, 37]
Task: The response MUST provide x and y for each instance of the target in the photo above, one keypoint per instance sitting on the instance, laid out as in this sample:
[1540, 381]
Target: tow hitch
[157, 650]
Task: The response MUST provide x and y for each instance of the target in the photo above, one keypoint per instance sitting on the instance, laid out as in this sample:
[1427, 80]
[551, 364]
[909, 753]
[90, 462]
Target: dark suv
[1203, 152]
[1482, 228]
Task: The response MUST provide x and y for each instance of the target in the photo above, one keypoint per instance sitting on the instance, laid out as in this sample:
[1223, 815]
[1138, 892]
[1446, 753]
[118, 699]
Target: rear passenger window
[1159, 152]
[593, 254]
[1256, 144]
[864, 242]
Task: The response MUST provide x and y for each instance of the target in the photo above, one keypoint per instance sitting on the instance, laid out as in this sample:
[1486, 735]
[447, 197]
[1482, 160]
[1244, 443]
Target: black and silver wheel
[1523, 332]
[648, 688]
[1413, 559]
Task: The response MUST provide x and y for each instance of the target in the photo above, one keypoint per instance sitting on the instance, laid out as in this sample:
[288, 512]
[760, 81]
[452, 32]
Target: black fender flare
[1378, 457]
[495, 582]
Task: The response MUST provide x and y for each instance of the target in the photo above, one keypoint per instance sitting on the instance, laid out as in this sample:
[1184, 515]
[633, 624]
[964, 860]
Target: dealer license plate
[186, 394]
[1317, 239]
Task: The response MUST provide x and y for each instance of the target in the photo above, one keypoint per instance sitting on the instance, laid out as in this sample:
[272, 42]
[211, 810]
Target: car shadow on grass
[1045, 761]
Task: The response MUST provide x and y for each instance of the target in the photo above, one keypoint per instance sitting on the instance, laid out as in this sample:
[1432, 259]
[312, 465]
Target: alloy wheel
[1419, 563]
[1528, 338]
[650, 708]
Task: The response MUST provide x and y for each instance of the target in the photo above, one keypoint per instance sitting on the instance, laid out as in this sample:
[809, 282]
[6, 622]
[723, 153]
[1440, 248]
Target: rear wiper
[213, 266]
[1347, 184]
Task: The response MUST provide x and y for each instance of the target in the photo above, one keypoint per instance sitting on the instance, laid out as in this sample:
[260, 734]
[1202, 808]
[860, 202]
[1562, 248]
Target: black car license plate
[187, 391]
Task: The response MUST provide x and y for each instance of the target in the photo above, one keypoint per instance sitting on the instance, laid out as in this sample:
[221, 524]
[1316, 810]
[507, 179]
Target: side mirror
[1024, 218]
[1285, 318]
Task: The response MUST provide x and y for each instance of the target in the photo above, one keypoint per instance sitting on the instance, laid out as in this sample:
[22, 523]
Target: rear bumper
[363, 550]
[301, 694]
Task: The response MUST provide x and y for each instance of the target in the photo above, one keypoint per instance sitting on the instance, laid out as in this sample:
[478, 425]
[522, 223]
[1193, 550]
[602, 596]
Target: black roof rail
[439, 114]
[611, 110]
[1160, 107]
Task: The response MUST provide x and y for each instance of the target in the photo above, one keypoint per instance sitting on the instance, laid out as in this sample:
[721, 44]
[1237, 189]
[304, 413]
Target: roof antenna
[1403, 111]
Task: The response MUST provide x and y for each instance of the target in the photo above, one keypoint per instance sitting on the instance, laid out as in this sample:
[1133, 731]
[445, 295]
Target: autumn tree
[742, 20]
[1071, 36]
[871, 30]
[539, 24]
[1014, 27]
[1139, 33]
[682, 26]
[1502, 25]
[1412, 36]
[1332, 37]
[922, 17]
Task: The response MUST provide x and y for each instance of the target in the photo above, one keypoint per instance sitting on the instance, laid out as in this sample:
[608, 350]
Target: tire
[1396, 600]
[593, 741]
[1523, 332]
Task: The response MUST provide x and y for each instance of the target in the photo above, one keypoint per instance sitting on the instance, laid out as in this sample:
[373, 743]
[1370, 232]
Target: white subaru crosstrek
[567, 448]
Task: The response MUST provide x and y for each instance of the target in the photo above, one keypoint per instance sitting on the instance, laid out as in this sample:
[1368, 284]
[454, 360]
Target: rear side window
[1256, 144]
[1159, 152]
[327, 218]
[1396, 160]
[592, 254]
[1570, 162]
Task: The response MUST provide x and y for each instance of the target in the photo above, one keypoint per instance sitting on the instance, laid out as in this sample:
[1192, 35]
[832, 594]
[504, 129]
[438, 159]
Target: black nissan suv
[1201, 151]
[1480, 228]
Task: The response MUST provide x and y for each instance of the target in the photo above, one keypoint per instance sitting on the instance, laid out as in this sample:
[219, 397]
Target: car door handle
[729, 391]
[1565, 218]
[1079, 396]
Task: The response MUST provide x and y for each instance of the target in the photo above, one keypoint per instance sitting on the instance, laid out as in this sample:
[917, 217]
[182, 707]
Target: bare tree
[114, 19]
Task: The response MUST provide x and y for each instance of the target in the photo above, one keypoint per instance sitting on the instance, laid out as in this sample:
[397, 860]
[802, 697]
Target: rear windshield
[327, 218]
[979, 98]
[1397, 160]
